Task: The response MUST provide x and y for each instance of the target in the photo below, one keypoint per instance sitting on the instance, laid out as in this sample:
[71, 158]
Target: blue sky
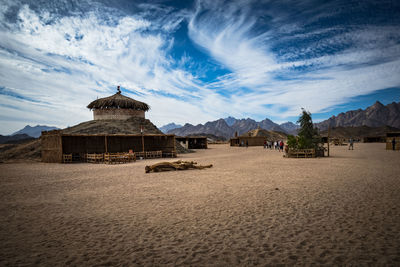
[196, 61]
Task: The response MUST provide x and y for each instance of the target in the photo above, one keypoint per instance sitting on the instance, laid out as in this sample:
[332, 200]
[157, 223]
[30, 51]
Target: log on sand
[175, 166]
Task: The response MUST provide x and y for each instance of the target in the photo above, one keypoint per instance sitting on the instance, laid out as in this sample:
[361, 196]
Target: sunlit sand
[252, 207]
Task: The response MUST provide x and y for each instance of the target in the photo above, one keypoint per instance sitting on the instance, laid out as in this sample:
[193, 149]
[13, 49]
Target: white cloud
[53, 66]
[71, 61]
[228, 33]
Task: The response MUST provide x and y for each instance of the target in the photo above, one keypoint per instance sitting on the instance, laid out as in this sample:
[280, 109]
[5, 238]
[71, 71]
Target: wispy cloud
[276, 57]
[73, 59]
[317, 69]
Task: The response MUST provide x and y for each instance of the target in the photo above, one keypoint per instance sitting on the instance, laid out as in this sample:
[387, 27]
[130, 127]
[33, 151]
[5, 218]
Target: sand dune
[252, 208]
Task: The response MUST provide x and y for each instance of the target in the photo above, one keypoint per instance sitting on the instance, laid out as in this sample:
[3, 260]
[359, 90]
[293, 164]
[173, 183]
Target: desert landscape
[253, 207]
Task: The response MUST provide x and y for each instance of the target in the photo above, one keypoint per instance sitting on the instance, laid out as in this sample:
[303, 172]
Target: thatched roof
[270, 135]
[118, 101]
[129, 126]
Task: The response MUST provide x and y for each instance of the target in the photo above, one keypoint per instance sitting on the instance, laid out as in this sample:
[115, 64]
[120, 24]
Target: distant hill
[35, 131]
[14, 139]
[377, 115]
[169, 127]
[29, 150]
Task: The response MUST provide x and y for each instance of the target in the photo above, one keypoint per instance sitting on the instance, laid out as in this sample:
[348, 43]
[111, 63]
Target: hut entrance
[193, 142]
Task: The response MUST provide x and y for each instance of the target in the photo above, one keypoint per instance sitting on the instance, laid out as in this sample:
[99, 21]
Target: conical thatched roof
[118, 101]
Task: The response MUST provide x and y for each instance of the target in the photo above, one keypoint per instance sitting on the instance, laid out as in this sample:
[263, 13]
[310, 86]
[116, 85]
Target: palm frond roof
[118, 101]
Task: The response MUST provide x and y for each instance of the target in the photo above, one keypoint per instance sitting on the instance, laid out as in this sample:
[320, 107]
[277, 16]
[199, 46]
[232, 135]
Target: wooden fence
[114, 158]
[94, 158]
[301, 153]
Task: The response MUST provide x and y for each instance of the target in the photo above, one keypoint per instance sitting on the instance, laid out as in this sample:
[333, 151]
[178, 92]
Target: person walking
[351, 144]
[265, 144]
[247, 144]
[394, 143]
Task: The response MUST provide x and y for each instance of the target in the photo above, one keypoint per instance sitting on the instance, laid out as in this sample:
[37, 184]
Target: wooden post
[142, 142]
[105, 142]
[329, 133]
[141, 130]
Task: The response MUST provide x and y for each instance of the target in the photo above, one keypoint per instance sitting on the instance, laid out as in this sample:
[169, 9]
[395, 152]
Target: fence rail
[301, 153]
[115, 158]
[94, 158]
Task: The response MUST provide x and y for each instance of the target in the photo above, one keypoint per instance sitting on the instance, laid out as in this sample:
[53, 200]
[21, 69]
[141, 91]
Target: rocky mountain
[35, 131]
[359, 132]
[376, 115]
[269, 125]
[222, 128]
[244, 125]
[230, 120]
[290, 127]
[169, 127]
[217, 128]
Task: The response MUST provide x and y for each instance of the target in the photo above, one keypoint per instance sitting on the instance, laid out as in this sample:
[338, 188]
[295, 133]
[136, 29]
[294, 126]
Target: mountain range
[227, 128]
[25, 134]
[35, 131]
[377, 115]
[359, 132]
[169, 126]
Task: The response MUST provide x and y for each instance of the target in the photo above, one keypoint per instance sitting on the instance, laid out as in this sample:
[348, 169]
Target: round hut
[117, 107]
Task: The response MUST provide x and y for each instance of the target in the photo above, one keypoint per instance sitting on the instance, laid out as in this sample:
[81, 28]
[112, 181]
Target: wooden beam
[105, 142]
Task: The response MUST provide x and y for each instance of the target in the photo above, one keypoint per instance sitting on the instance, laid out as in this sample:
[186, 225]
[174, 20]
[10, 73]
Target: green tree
[308, 136]
[292, 141]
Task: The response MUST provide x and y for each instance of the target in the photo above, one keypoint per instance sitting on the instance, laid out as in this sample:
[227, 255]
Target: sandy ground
[252, 208]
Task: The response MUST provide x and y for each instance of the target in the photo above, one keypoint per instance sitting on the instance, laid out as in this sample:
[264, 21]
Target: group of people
[277, 145]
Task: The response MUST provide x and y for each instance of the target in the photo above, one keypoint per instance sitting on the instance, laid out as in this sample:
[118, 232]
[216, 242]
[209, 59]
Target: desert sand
[253, 207]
